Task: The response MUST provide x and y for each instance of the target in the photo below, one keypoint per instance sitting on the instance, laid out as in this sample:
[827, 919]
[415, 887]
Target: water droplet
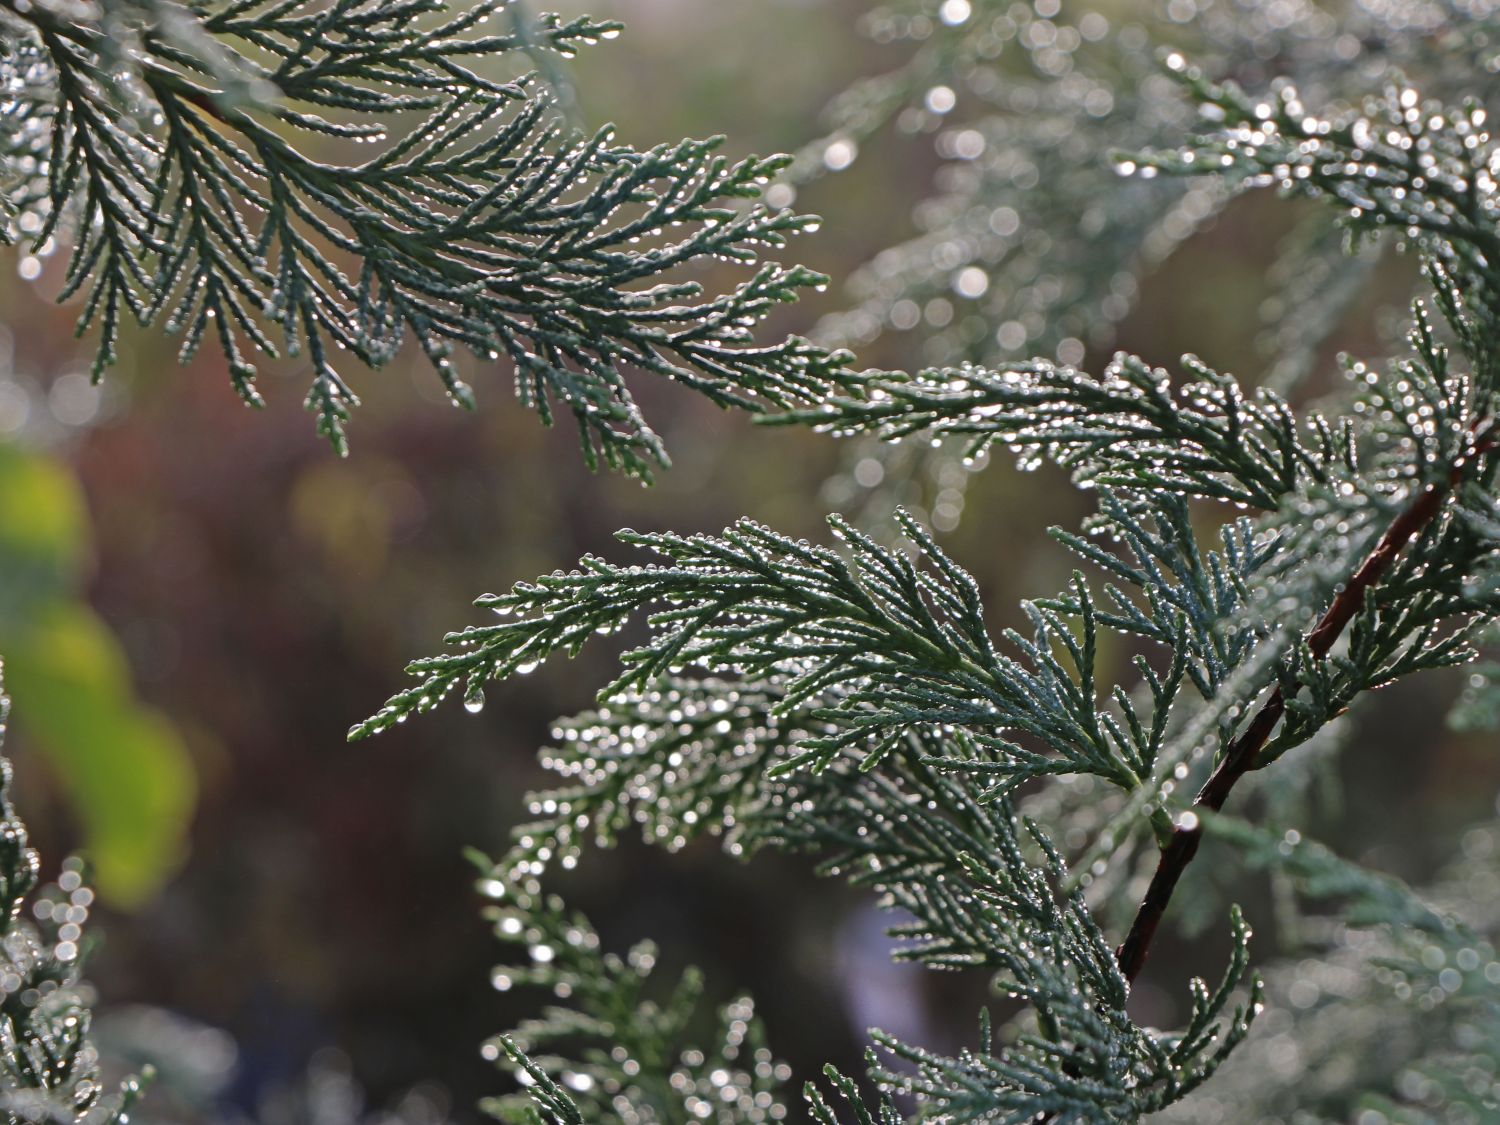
[955, 12]
[839, 154]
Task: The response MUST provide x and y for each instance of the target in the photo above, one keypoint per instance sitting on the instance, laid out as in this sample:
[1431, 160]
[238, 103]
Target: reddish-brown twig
[1240, 758]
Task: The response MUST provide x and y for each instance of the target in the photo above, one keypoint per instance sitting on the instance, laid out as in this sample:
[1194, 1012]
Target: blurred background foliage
[199, 600]
[126, 771]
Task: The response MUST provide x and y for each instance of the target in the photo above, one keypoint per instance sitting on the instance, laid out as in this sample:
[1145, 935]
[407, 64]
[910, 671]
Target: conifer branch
[612, 1051]
[853, 704]
[1129, 428]
[192, 167]
[877, 644]
[1241, 756]
[1346, 992]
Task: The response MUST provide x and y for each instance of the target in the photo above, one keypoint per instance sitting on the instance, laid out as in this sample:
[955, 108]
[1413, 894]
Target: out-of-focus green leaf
[124, 766]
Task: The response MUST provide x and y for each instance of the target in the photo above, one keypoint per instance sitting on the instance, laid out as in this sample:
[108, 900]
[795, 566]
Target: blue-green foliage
[852, 702]
[199, 165]
[1024, 101]
[1389, 1009]
[613, 1050]
[206, 166]
[1028, 243]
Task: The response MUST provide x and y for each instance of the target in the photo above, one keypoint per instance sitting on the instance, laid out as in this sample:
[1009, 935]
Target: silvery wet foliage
[627, 1052]
[1028, 244]
[326, 180]
[1266, 562]
[851, 701]
[1387, 1013]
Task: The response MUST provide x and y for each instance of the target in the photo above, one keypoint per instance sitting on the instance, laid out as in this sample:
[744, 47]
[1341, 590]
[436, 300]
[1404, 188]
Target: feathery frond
[207, 168]
[612, 1051]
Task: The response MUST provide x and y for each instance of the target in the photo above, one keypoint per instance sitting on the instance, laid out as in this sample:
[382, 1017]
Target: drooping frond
[222, 188]
[1078, 1057]
[979, 894]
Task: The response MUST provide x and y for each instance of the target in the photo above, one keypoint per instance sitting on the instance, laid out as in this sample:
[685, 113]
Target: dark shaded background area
[268, 595]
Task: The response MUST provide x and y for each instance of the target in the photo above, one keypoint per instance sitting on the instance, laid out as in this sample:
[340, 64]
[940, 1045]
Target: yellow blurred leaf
[43, 515]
